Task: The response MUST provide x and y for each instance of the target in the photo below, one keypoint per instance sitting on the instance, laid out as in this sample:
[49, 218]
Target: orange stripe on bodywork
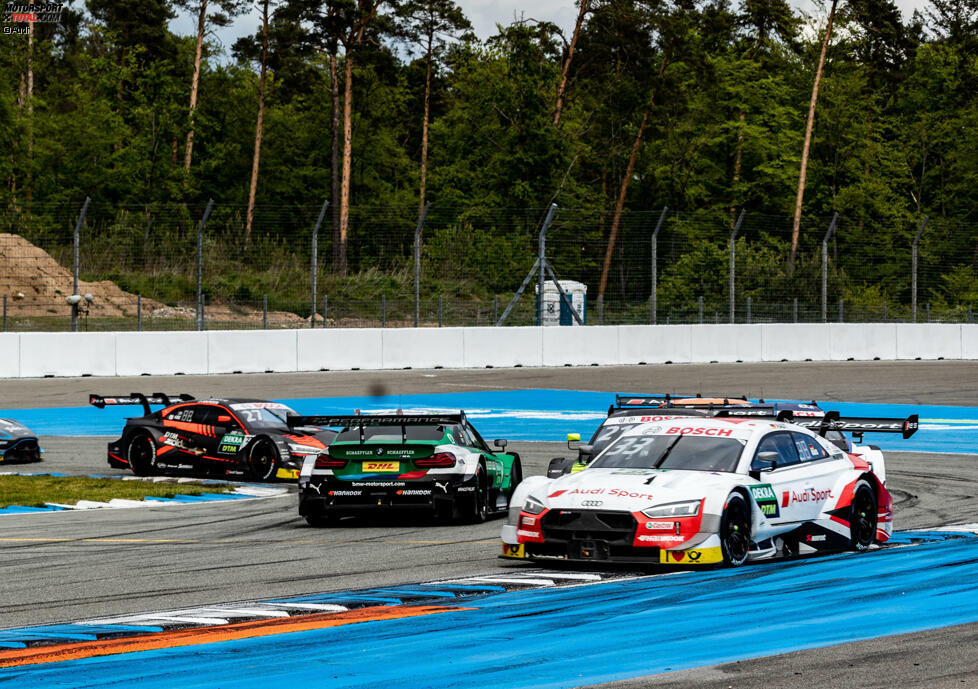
[209, 635]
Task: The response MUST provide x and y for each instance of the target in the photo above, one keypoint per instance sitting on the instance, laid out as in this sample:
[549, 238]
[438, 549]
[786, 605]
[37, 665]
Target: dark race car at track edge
[18, 443]
[229, 437]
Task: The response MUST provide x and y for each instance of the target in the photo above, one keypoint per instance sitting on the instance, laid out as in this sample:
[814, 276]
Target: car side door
[494, 466]
[787, 479]
[821, 469]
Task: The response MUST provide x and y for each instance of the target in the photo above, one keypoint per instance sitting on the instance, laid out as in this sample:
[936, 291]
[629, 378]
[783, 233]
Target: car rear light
[441, 460]
[327, 462]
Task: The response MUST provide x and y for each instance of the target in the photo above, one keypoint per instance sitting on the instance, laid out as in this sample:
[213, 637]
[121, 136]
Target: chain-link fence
[180, 267]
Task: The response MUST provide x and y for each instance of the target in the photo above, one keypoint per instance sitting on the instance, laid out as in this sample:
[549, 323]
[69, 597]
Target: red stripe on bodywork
[858, 463]
[414, 474]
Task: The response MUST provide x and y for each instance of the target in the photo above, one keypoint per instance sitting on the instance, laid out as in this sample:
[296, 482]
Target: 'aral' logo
[766, 499]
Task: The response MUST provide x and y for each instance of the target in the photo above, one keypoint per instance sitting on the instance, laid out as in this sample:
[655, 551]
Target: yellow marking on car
[692, 556]
[381, 466]
[514, 550]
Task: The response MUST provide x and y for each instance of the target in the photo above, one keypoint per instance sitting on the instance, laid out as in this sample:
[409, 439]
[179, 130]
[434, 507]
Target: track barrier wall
[34, 355]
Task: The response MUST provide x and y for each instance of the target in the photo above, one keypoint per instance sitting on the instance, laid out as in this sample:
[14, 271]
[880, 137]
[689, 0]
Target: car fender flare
[527, 486]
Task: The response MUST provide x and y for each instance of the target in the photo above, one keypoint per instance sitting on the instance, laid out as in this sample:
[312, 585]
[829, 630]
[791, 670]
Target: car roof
[742, 426]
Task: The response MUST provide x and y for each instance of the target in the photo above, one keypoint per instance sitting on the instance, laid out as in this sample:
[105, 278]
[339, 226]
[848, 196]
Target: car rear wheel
[262, 460]
[735, 531]
[320, 520]
[515, 478]
[142, 454]
[862, 516]
[476, 508]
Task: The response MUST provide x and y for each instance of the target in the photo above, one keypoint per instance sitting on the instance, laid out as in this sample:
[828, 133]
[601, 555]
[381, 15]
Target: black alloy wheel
[262, 460]
[735, 531]
[515, 478]
[862, 516]
[142, 454]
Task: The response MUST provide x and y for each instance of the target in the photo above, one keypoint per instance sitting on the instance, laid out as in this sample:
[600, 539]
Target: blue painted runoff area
[560, 638]
[530, 415]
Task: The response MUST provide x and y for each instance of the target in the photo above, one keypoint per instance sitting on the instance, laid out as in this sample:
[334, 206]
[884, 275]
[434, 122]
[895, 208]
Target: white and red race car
[708, 490]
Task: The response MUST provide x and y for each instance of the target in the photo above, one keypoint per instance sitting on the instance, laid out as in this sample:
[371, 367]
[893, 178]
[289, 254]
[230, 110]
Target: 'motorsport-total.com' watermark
[18, 16]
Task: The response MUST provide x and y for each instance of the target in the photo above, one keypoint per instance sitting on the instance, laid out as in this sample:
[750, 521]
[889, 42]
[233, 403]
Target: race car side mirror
[584, 452]
[559, 466]
[770, 459]
[573, 438]
[500, 443]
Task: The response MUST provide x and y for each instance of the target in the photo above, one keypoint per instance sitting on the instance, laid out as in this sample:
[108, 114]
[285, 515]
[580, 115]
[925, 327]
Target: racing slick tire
[515, 478]
[475, 509]
[141, 454]
[735, 530]
[262, 460]
[320, 520]
[862, 516]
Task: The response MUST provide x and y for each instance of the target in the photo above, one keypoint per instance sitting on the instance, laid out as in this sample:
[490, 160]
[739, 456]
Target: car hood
[633, 489]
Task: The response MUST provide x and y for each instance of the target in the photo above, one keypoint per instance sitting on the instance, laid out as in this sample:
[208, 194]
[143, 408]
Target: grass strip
[35, 491]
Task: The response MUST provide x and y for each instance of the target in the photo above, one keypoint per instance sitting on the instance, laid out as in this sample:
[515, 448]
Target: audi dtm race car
[429, 462]
[230, 437]
[630, 410]
[18, 443]
[709, 490]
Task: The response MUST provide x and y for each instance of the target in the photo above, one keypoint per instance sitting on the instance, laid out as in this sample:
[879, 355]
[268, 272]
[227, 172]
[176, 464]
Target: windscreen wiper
[668, 450]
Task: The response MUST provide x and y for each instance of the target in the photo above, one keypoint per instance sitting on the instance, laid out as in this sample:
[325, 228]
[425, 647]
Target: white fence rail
[33, 355]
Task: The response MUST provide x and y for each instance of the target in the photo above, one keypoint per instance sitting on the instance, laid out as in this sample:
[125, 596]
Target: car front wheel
[735, 530]
[262, 460]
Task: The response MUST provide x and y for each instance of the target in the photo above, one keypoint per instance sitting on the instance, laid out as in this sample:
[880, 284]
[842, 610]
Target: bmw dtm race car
[709, 490]
[231, 437]
[431, 462]
[18, 443]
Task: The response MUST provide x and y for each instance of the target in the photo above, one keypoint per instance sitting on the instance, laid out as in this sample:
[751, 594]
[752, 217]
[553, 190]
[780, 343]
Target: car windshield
[695, 453]
[391, 434]
[263, 416]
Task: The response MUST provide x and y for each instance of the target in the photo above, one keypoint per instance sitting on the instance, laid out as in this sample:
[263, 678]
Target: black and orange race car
[246, 438]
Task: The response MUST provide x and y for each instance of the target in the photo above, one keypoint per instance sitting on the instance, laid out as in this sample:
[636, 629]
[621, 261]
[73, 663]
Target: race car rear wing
[139, 398]
[833, 421]
[666, 400]
[362, 420]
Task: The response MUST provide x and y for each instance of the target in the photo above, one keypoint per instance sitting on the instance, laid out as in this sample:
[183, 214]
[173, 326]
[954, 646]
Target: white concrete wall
[32, 355]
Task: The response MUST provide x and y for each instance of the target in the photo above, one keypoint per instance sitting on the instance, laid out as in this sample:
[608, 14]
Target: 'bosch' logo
[592, 503]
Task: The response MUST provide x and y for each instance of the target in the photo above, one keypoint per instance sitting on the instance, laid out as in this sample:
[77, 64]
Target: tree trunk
[562, 87]
[335, 164]
[629, 171]
[195, 82]
[341, 267]
[259, 124]
[808, 140]
[29, 185]
[424, 129]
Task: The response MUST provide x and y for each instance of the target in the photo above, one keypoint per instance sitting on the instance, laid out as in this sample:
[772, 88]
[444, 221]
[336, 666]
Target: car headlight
[688, 508]
[533, 506]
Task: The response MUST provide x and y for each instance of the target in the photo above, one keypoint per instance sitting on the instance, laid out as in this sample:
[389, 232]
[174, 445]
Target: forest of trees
[700, 106]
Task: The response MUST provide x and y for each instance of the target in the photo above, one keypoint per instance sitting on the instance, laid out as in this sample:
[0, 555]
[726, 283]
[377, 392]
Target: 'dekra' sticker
[766, 499]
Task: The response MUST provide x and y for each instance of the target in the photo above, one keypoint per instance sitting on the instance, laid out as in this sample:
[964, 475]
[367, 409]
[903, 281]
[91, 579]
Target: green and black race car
[434, 462]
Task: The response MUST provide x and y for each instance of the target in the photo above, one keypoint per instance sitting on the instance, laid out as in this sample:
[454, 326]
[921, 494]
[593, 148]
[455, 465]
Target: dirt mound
[36, 285]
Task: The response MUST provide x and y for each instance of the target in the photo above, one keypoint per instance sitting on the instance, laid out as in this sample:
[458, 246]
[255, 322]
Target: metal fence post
[200, 264]
[5, 313]
[733, 238]
[825, 270]
[383, 310]
[542, 258]
[77, 243]
[417, 263]
[700, 299]
[748, 311]
[139, 313]
[841, 311]
[264, 312]
[655, 265]
[439, 311]
[325, 312]
[970, 313]
[884, 310]
[315, 261]
[913, 269]
[795, 311]
[600, 309]
[928, 312]
[495, 308]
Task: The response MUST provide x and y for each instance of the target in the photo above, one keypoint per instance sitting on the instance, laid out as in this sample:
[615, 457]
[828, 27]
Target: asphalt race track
[67, 566]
